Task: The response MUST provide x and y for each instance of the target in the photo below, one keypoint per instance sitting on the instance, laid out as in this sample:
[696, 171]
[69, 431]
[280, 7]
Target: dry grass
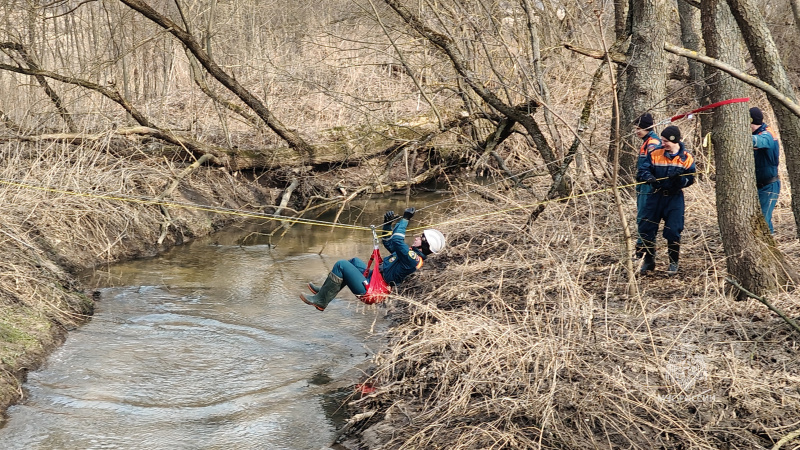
[520, 339]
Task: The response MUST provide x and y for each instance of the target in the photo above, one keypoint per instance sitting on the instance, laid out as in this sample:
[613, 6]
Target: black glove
[389, 216]
[653, 182]
[409, 213]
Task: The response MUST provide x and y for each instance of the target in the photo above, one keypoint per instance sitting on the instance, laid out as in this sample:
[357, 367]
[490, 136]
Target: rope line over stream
[293, 220]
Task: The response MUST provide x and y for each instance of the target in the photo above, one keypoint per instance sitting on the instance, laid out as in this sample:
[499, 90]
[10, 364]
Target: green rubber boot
[314, 288]
[325, 293]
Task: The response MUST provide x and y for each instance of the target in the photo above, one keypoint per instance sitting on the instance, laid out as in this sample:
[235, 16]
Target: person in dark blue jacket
[766, 152]
[402, 262]
[650, 141]
[668, 170]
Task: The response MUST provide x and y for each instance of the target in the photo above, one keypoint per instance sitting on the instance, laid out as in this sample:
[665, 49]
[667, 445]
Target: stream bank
[49, 233]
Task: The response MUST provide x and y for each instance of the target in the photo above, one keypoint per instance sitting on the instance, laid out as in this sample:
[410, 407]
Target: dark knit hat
[756, 116]
[672, 134]
[645, 121]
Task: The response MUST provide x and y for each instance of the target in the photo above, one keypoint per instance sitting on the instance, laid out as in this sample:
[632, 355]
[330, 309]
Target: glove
[409, 213]
[389, 216]
[653, 182]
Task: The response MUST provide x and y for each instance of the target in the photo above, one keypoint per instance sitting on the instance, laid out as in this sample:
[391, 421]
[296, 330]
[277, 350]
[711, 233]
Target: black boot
[638, 251]
[325, 294]
[649, 263]
[674, 250]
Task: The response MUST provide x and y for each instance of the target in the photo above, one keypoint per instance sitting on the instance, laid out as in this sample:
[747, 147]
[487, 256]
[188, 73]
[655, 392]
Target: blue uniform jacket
[650, 142]
[676, 170]
[403, 260]
[766, 153]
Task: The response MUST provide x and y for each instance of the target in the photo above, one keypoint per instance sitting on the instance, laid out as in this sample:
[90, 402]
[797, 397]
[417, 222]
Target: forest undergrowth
[523, 338]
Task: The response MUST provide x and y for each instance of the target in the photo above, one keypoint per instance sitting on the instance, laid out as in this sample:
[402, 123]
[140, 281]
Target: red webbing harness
[707, 107]
[377, 289]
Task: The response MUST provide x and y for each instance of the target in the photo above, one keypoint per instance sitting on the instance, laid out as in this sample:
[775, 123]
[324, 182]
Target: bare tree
[521, 113]
[770, 68]
[290, 136]
[645, 83]
[752, 256]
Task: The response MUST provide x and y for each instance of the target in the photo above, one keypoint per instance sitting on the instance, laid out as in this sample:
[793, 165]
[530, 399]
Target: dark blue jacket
[766, 153]
[403, 260]
[673, 172]
[650, 142]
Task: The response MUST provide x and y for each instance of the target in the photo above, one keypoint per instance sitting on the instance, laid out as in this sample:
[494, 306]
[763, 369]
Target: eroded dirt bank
[65, 212]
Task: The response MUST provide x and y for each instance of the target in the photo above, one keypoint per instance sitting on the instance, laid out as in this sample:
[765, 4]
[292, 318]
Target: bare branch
[290, 136]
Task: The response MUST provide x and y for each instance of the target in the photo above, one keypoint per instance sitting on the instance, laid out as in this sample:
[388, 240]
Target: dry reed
[520, 339]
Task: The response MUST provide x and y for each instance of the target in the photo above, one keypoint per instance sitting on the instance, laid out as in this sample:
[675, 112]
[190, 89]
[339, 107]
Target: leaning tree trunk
[752, 257]
[770, 69]
[646, 81]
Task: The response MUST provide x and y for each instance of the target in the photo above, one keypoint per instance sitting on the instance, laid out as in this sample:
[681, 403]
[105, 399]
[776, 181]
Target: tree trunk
[752, 257]
[690, 38]
[645, 86]
[770, 68]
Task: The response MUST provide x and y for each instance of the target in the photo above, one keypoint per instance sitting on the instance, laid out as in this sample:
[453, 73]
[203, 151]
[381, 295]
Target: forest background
[117, 114]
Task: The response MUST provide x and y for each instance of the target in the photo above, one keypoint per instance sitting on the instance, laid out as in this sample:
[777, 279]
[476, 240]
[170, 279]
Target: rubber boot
[674, 250]
[649, 263]
[313, 288]
[325, 294]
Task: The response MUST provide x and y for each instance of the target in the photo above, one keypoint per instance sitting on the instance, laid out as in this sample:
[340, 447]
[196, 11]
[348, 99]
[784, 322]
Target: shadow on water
[208, 346]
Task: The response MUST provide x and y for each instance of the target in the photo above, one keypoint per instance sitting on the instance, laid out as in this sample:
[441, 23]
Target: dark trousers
[352, 272]
[658, 207]
[643, 191]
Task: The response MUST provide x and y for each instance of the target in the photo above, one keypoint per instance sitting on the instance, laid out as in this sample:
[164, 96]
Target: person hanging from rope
[643, 127]
[668, 169]
[402, 262]
[766, 151]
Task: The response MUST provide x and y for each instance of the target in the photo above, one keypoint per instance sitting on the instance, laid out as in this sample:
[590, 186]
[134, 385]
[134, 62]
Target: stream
[208, 346]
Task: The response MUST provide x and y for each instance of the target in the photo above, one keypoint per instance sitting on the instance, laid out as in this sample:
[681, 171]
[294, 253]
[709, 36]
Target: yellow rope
[570, 197]
[217, 210]
[294, 220]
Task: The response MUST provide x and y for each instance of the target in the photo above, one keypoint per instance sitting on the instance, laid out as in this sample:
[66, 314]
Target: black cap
[756, 116]
[645, 121]
[672, 134]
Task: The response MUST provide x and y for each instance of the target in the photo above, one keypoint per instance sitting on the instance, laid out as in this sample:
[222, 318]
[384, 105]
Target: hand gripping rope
[377, 289]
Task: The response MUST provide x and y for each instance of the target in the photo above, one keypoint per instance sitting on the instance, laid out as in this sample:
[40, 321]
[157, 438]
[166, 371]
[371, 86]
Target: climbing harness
[377, 289]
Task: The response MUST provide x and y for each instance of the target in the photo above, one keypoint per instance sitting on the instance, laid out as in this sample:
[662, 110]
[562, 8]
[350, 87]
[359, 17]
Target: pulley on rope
[377, 289]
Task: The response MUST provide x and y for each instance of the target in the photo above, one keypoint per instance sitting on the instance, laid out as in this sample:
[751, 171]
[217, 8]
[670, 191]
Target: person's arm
[763, 140]
[396, 243]
[645, 173]
[688, 173]
[388, 218]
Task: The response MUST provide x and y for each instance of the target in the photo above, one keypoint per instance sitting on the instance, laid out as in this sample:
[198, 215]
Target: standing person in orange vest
[668, 169]
[643, 127]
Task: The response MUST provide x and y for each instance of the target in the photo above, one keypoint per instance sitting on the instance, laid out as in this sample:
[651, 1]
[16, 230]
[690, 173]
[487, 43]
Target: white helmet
[435, 240]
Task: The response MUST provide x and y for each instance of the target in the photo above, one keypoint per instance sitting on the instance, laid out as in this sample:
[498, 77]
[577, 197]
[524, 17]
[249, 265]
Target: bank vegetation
[132, 125]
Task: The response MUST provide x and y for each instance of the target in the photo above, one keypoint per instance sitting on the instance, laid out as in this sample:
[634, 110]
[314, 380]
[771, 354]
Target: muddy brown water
[208, 346]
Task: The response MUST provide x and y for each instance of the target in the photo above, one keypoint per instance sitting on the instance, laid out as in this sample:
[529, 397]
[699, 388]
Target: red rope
[711, 106]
